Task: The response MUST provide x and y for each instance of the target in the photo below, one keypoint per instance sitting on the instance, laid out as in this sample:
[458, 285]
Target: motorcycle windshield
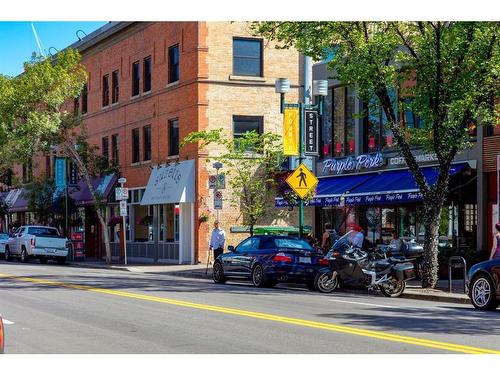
[344, 242]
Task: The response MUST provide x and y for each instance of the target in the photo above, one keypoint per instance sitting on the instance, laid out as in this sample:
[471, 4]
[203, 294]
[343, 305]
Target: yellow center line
[270, 317]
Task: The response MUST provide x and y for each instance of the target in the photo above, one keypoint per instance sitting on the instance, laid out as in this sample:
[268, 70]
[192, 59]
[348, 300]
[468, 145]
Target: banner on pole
[291, 132]
[60, 172]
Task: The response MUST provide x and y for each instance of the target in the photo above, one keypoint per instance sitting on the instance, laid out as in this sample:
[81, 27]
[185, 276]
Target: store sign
[350, 164]
[420, 158]
[311, 133]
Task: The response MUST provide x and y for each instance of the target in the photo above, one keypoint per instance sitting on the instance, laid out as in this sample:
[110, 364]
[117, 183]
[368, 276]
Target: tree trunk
[431, 266]
[86, 176]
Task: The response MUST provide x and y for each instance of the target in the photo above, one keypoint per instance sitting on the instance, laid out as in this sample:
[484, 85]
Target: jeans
[218, 252]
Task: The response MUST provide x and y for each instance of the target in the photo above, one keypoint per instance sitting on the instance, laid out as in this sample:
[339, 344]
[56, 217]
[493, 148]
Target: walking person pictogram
[302, 177]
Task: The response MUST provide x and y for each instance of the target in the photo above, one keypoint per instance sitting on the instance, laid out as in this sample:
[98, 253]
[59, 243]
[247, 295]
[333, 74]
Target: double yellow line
[269, 317]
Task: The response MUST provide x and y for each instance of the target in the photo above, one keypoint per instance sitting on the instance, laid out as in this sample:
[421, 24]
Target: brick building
[149, 85]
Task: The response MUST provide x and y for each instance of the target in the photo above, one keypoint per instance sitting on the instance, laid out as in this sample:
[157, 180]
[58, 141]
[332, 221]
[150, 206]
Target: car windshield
[43, 231]
[290, 243]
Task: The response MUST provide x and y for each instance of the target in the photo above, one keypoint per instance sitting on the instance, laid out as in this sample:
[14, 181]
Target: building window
[135, 146]
[168, 222]
[245, 124]
[173, 63]
[48, 164]
[114, 149]
[247, 57]
[105, 90]
[378, 136]
[173, 137]
[84, 98]
[115, 93]
[27, 172]
[146, 138]
[136, 78]
[105, 149]
[76, 106]
[343, 121]
[147, 74]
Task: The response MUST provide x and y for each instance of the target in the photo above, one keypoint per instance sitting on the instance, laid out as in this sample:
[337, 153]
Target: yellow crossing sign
[302, 180]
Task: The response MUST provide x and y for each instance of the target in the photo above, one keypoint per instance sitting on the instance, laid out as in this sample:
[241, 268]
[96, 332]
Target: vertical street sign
[311, 133]
[60, 172]
[291, 132]
[73, 174]
[218, 200]
[123, 208]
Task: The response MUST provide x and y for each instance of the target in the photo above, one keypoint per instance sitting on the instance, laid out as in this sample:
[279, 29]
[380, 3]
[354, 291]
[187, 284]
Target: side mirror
[231, 248]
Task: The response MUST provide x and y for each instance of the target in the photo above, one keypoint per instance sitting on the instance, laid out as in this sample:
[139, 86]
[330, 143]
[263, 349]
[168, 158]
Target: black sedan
[484, 284]
[268, 260]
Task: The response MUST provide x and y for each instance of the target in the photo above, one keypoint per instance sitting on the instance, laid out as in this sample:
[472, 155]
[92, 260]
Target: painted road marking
[364, 303]
[269, 317]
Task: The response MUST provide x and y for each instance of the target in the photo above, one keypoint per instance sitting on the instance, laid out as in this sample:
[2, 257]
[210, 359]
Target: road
[60, 309]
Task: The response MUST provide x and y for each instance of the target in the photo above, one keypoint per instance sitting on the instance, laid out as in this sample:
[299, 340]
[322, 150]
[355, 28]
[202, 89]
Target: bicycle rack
[457, 262]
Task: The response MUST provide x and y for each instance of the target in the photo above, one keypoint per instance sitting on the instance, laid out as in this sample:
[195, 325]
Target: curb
[436, 298]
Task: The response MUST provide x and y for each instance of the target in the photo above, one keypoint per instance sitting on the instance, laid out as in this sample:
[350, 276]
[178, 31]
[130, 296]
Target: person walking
[495, 250]
[217, 240]
[326, 240]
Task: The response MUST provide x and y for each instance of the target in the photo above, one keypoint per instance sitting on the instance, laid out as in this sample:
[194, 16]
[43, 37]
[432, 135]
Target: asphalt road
[59, 309]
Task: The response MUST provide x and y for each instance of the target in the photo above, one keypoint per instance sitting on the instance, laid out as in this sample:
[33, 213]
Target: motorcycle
[411, 250]
[349, 265]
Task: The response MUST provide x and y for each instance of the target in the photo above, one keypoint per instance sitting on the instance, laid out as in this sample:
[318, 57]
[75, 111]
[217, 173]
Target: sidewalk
[413, 290]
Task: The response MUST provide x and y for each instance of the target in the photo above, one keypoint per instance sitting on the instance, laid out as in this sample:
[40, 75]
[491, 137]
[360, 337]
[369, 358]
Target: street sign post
[121, 194]
[218, 200]
[217, 181]
[302, 181]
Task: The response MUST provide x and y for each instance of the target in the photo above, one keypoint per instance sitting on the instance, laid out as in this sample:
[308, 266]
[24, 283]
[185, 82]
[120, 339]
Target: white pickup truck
[35, 241]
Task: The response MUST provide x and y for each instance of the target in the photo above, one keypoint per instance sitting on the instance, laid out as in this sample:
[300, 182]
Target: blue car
[484, 284]
[267, 260]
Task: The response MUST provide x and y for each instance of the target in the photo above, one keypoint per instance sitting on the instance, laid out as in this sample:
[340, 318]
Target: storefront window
[388, 221]
[168, 223]
[378, 136]
[143, 223]
[343, 121]
[407, 222]
[373, 222]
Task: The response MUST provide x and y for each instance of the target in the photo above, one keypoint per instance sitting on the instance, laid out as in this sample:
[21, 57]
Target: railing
[457, 262]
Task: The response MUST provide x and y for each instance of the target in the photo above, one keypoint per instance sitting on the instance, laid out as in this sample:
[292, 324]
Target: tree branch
[405, 41]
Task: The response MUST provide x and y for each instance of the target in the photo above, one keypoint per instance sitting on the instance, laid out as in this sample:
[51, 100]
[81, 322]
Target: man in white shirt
[217, 240]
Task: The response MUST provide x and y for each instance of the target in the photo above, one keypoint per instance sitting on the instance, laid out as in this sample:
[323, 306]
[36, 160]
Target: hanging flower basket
[114, 220]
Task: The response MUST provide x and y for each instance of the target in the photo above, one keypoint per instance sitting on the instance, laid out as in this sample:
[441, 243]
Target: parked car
[268, 260]
[483, 281]
[39, 242]
[4, 237]
[2, 337]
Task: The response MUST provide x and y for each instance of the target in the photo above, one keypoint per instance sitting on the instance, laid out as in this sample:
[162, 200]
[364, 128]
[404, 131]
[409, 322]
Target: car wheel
[325, 283]
[482, 293]
[218, 273]
[7, 256]
[43, 260]
[258, 276]
[24, 256]
[61, 260]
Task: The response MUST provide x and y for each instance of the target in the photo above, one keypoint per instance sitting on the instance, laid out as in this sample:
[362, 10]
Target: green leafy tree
[40, 195]
[453, 70]
[251, 161]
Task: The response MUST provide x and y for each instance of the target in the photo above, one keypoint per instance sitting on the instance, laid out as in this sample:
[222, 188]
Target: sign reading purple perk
[340, 165]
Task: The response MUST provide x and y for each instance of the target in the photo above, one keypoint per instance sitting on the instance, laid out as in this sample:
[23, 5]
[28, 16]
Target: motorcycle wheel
[395, 289]
[324, 283]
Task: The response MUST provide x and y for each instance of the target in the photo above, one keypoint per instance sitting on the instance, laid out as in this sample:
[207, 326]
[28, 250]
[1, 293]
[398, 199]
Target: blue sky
[17, 41]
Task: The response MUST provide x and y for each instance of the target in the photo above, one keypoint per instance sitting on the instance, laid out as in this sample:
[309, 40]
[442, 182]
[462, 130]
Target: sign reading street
[302, 180]
[311, 133]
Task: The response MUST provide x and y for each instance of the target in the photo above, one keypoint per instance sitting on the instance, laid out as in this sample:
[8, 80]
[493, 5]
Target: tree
[252, 161]
[40, 195]
[445, 72]
[33, 119]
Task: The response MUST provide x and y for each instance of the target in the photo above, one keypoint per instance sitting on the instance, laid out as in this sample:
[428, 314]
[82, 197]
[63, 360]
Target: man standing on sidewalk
[217, 240]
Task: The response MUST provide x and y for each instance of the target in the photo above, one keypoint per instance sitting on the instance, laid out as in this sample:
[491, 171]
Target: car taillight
[282, 257]
[33, 241]
[324, 262]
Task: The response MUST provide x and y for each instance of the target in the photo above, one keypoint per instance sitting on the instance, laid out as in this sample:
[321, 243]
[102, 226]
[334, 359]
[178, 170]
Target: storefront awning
[16, 201]
[372, 188]
[171, 183]
[102, 185]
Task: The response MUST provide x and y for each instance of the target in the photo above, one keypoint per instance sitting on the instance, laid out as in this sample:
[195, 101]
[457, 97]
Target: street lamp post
[320, 90]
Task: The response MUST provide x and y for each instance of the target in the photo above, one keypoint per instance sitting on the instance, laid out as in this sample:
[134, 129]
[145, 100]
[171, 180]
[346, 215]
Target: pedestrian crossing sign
[302, 180]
